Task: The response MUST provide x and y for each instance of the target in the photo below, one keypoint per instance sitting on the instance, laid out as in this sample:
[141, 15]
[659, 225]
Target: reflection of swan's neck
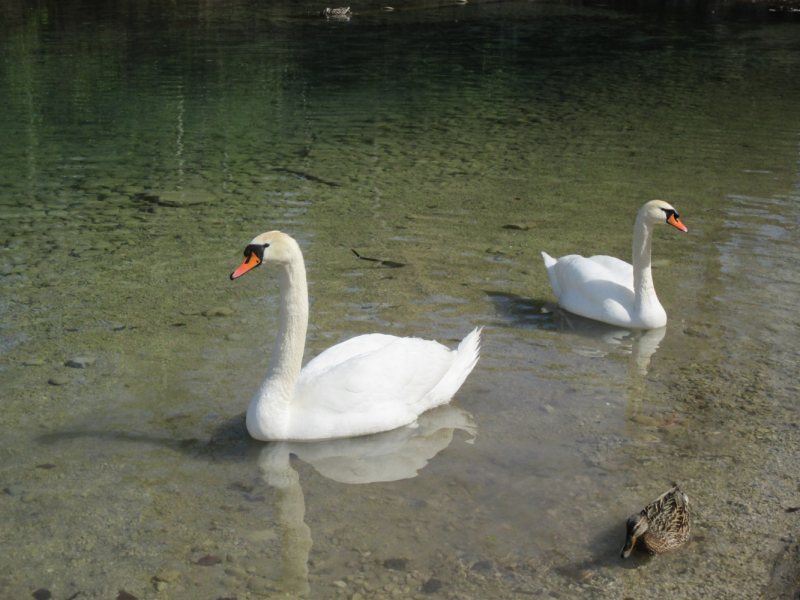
[290, 510]
[272, 399]
[643, 288]
[645, 345]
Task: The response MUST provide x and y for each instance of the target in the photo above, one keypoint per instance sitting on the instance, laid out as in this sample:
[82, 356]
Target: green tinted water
[141, 151]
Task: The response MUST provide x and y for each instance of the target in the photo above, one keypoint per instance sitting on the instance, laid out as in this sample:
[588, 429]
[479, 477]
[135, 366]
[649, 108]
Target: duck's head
[637, 525]
[272, 247]
[658, 211]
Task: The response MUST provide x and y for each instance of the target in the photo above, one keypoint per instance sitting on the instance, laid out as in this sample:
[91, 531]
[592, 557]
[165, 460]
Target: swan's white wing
[589, 288]
[376, 389]
[336, 355]
[615, 269]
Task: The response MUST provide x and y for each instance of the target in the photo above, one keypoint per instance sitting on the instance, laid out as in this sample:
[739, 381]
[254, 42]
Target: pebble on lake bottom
[58, 380]
[218, 311]
[168, 576]
[208, 561]
[81, 362]
[431, 586]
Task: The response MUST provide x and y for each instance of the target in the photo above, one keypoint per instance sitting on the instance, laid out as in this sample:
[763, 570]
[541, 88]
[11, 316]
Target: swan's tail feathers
[549, 263]
[466, 357]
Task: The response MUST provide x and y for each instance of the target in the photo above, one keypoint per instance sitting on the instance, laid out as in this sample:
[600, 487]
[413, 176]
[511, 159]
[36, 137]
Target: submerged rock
[59, 380]
[178, 199]
[81, 362]
[218, 311]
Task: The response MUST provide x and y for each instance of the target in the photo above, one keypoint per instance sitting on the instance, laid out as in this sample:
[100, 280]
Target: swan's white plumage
[367, 384]
[608, 289]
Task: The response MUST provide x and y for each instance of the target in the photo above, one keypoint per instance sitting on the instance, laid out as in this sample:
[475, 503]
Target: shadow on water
[228, 441]
[605, 556]
[522, 312]
[588, 337]
[389, 456]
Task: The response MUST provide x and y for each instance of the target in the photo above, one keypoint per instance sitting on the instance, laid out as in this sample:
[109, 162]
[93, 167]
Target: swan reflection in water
[389, 456]
[640, 344]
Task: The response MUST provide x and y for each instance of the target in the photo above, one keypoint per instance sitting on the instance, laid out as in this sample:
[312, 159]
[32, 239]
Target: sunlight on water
[142, 150]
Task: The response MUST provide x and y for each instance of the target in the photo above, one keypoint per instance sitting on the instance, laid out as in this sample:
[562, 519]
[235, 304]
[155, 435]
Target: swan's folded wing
[340, 353]
[615, 269]
[589, 288]
[379, 386]
[589, 276]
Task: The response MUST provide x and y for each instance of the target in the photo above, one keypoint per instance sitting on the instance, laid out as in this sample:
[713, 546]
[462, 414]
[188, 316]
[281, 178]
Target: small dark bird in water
[662, 525]
[337, 12]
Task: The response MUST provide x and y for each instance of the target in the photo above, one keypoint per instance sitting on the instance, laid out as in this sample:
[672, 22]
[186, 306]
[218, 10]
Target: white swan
[607, 289]
[367, 384]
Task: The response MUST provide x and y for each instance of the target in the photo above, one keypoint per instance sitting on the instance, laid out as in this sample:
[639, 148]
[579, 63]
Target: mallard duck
[663, 524]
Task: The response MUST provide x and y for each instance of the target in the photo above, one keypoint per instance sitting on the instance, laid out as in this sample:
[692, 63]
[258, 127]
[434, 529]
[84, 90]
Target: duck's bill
[676, 222]
[626, 549]
[251, 262]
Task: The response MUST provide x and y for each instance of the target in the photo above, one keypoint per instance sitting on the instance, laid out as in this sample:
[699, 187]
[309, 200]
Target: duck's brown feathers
[665, 522]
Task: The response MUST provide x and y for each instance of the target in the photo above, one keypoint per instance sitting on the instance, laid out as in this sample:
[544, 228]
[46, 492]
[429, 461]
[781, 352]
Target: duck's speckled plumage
[663, 524]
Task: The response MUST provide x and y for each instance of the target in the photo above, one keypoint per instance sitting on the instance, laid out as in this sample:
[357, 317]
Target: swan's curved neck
[287, 355]
[269, 413]
[643, 287]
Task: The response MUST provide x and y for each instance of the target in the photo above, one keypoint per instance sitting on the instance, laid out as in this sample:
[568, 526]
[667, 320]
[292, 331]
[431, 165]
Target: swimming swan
[607, 289]
[367, 384]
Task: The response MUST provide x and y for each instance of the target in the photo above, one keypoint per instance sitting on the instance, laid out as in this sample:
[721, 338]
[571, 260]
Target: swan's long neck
[287, 355]
[270, 407]
[643, 288]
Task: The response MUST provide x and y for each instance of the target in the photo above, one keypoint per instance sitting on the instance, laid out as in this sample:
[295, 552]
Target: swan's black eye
[257, 249]
[671, 212]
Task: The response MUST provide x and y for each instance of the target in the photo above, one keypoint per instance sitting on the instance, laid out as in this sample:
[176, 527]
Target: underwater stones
[130, 190]
[644, 420]
[168, 576]
[47, 278]
[209, 560]
[59, 379]
[237, 572]
[178, 199]
[431, 586]
[81, 362]
[33, 362]
[520, 226]
[396, 564]
[258, 585]
[218, 311]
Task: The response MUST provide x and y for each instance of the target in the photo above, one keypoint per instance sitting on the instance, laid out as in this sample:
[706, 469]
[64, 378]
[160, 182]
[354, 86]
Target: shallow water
[141, 151]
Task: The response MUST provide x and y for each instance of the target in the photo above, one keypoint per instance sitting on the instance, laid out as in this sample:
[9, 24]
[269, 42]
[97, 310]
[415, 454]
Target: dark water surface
[143, 145]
